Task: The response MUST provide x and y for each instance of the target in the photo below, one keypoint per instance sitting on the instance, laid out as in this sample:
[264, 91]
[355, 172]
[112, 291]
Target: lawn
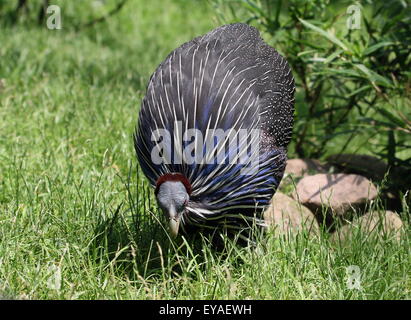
[77, 219]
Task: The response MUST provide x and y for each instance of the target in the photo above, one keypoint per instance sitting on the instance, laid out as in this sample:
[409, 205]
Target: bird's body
[214, 127]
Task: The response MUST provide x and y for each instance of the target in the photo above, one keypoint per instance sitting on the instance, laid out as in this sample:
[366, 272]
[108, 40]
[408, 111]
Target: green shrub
[353, 86]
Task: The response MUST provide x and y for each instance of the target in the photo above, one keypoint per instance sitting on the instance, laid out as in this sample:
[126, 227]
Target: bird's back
[229, 80]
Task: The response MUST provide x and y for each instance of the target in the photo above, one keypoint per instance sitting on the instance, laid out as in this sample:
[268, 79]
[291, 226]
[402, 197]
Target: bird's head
[173, 193]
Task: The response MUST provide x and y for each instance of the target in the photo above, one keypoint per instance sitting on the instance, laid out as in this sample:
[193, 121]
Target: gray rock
[374, 224]
[338, 192]
[300, 167]
[287, 215]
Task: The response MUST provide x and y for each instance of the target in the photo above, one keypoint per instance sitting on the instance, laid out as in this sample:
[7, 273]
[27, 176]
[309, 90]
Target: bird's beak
[174, 225]
[174, 222]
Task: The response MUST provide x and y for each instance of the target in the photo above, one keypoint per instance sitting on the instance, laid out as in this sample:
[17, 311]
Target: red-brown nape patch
[173, 177]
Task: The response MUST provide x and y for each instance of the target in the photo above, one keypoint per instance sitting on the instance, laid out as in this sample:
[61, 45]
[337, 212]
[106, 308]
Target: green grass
[77, 220]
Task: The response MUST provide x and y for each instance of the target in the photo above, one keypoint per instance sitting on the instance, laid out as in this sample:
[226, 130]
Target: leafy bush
[353, 86]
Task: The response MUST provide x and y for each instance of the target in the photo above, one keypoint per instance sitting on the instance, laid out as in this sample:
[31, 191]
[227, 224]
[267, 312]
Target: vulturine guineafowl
[213, 130]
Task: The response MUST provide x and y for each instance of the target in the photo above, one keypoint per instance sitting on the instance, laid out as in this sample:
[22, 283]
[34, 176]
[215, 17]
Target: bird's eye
[186, 202]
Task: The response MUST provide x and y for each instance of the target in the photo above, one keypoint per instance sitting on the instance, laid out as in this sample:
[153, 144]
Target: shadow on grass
[143, 249]
[130, 249]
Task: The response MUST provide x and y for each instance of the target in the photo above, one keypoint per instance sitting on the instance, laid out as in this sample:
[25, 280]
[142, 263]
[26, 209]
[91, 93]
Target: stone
[287, 215]
[373, 223]
[300, 167]
[338, 192]
[366, 165]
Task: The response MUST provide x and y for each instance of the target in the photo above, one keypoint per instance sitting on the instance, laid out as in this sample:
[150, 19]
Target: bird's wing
[226, 79]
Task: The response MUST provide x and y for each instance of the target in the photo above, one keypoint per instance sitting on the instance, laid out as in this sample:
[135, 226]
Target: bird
[213, 130]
